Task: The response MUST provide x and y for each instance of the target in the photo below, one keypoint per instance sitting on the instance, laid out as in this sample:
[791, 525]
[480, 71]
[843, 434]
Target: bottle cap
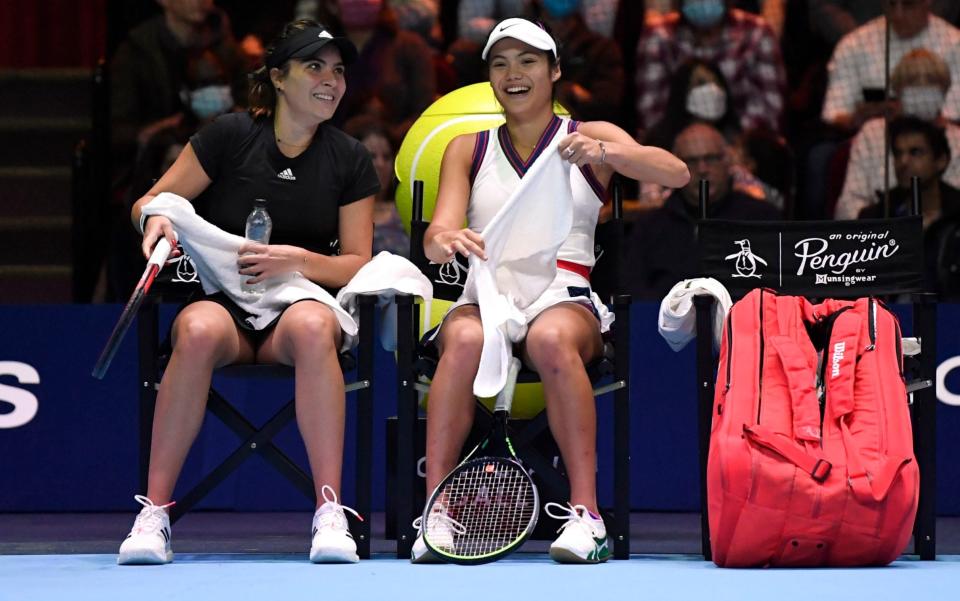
[259, 202]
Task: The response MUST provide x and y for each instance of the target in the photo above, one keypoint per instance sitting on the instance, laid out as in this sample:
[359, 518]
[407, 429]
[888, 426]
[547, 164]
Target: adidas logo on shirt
[287, 174]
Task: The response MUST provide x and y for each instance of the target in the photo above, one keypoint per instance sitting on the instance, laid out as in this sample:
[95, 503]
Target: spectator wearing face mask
[149, 69]
[206, 95]
[741, 44]
[698, 92]
[475, 18]
[920, 81]
[855, 93]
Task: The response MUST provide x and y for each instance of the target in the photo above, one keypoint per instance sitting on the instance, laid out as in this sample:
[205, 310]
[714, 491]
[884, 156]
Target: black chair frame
[258, 440]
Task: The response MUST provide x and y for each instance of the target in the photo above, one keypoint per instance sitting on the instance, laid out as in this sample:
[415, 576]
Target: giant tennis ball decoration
[466, 110]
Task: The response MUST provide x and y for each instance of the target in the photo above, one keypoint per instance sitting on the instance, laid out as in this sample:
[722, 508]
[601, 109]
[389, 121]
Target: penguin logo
[746, 261]
[451, 274]
[186, 271]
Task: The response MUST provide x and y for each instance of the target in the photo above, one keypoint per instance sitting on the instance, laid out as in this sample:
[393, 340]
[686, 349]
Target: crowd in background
[786, 107]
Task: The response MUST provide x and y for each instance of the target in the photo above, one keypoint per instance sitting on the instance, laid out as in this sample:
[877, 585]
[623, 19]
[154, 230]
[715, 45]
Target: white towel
[521, 244]
[678, 321]
[214, 252]
[386, 276]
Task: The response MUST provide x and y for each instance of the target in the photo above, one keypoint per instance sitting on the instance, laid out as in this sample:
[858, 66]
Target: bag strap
[841, 376]
[818, 467]
[800, 377]
[868, 486]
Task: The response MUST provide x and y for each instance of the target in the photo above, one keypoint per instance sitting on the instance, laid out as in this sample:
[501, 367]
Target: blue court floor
[528, 576]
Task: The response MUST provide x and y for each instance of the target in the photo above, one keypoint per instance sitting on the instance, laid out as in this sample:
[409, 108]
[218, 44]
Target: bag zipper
[760, 377]
[729, 348]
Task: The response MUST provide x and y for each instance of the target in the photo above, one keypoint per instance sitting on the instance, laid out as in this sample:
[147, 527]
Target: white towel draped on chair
[214, 252]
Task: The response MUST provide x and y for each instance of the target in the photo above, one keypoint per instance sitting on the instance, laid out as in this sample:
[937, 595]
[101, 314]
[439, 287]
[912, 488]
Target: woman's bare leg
[308, 338]
[204, 337]
[451, 404]
[560, 341]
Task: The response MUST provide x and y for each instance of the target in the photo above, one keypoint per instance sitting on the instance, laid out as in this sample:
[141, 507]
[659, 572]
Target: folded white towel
[678, 321]
[386, 276]
[214, 252]
[521, 244]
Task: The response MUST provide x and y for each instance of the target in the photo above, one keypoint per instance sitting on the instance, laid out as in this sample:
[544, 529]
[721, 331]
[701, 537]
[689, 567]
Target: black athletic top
[303, 194]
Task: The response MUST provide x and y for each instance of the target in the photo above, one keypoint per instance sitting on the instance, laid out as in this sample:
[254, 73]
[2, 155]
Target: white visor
[523, 30]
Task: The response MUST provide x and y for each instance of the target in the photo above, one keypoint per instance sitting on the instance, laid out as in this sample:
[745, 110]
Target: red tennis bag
[811, 452]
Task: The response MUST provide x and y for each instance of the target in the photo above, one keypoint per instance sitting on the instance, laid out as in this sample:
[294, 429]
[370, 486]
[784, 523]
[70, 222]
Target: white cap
[523, 30]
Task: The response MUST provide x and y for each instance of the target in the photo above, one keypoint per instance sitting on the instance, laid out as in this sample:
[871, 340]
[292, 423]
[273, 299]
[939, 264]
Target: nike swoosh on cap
[505, 27]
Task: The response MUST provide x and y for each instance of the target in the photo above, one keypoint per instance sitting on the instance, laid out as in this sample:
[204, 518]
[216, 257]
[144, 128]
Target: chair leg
[706, 370]
[149, 372]
[364, 451]
[621, 436]
[406, 426]
[925, 429]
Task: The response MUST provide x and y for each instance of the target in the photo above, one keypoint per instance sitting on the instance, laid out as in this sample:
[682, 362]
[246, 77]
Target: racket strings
[493, 501]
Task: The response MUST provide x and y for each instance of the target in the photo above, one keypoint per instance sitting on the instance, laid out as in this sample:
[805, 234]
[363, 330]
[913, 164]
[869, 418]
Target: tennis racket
[490, 501]
[160, 253]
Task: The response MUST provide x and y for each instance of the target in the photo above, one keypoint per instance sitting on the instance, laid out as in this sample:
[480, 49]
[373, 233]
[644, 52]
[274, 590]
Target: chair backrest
[840, 259]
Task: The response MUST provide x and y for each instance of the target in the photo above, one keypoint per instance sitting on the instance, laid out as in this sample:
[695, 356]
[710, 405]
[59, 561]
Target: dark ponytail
[262, 96]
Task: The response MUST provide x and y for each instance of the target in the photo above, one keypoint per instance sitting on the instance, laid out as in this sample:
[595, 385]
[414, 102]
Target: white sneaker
[332, 541]
[442, 528]
[583, 539]
[149, 539]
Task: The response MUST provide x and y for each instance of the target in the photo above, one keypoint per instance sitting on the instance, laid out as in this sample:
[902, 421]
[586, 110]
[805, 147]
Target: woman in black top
[320, 187]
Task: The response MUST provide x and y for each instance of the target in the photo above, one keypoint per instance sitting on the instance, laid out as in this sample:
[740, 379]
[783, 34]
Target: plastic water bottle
[258, 229]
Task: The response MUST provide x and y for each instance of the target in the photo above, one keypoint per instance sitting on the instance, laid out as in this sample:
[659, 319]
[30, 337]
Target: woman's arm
[185, 178]
[446, 235]
[356, 243]
[609, 149]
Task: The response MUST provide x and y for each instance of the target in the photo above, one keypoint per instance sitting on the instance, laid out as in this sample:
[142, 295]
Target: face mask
[360, 14]
[924, 102]
[707, 101]
[210, 101]
[561, 9]
[704, 13]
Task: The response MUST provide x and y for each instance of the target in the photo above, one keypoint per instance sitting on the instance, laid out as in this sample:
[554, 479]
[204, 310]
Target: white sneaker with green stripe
[583, 538]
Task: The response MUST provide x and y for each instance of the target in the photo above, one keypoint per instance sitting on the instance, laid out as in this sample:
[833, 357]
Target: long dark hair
[262, 96]
[677, 117]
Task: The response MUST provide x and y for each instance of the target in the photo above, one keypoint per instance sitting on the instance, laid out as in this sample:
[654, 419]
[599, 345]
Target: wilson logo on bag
[811, 452]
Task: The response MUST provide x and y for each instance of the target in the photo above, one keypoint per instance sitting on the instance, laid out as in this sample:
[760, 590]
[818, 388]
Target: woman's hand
[465, 242]
[264, 261]
[581, 150]
[157, 227]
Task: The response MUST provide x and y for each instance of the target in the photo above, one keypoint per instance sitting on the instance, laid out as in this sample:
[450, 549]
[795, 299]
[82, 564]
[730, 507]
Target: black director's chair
[609, 373]
[794, 260]
[152, 361]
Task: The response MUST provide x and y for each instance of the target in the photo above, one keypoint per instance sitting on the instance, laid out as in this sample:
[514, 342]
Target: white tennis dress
[496, 173]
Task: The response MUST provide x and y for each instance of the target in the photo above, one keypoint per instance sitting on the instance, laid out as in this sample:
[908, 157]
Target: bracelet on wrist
[143, 222]
[603, 151]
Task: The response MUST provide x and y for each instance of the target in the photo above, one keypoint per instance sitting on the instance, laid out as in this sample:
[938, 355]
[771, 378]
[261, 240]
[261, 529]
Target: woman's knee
[201, 336]
[552, 348]
[311, 329]
[462, 340]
